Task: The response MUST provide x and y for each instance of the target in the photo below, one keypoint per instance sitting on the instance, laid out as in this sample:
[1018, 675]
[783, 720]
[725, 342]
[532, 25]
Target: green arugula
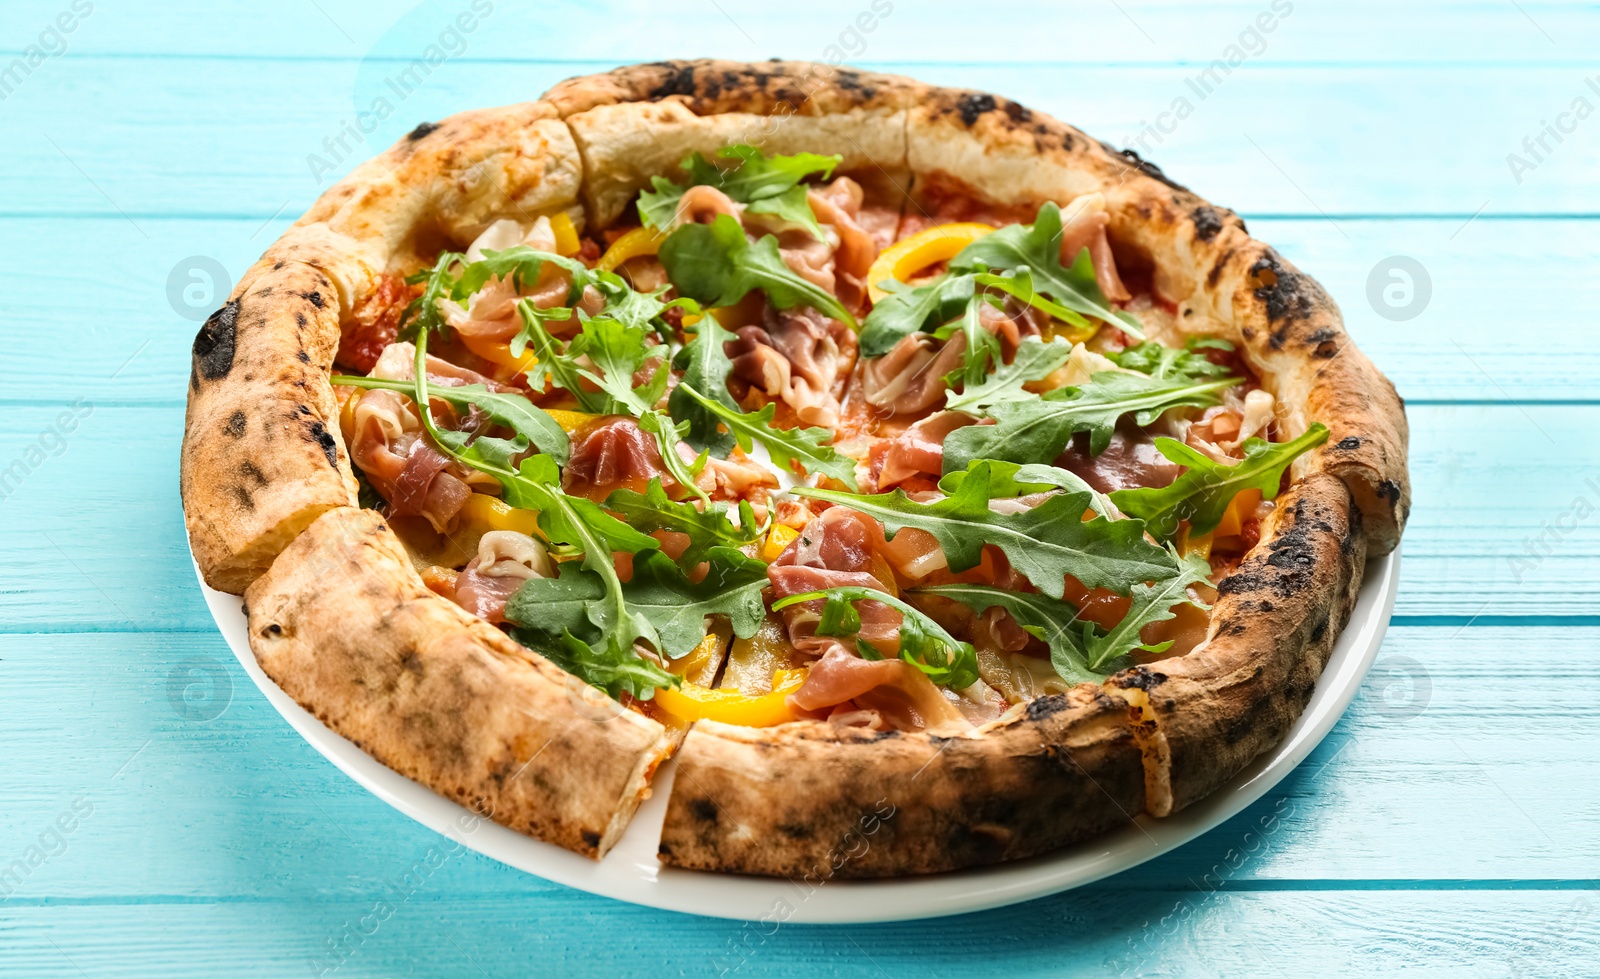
[1034, 361]
[1151, 603]
[923, 642]
[1039, 429]
[765, 185]
[422, 315]
[551, 609]
[1202, 494]
[653, 510]
[912, 309]
[1050, 619]
[715, 264]
[609, 660]
[532, 424]
[706, 366]
[1185, 363]
[1037, 247]
[1008, 479]
[787, 446]
[522, 264]
[981, 346]
[1045, 543]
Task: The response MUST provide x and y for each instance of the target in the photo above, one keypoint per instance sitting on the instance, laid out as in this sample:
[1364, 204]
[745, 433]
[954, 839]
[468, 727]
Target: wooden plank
[86, 138]
[1417, 783]
[1136, 32]
[146, 297]
[104, 514]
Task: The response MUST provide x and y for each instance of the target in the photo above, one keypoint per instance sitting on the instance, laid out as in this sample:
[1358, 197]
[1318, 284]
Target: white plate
[631, 871]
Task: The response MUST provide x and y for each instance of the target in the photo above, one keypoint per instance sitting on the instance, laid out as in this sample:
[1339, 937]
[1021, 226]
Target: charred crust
[680, 81]
[325, 439]
[303, 357]
[1389, 490]
[243, 496]
[1289, 296]
[423, 129]
[315, 298]
[1019, 113]
[252, 472]
[704, 810]
[1141, 677]
[1044, 707]
[215, 343]
[236, 424]
[1319, 630]
[1217, 267]
[1207, 223]
[591, 839]
[795, 831]
[1144, 166]
[1349, 443]
[974, 105]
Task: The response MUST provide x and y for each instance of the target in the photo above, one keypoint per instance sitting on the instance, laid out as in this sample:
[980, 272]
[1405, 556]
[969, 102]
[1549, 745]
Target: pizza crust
[343, 623]
[812, 801]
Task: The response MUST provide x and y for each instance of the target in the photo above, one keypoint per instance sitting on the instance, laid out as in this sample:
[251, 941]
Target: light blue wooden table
[170, 823]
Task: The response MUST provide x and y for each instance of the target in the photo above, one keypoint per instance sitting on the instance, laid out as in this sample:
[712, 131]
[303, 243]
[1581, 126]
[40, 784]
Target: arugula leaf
[706, 366]
[1202, 494]
[653, 510]
[911, 309]
[583, 525]
[786, 445]
[982, 346]
[659, 592]
[768, 185]
[422, 313]
[716, 264]
[522, 264]
[532, 424]
[1007, 479]
[1037, 247]
[1034, 361]
[1185, 363]
[1151, 603]
[611, 668]
[923, 642]
[1038, 429]
[1045, 543]
[1019, 284]
[1050, 619]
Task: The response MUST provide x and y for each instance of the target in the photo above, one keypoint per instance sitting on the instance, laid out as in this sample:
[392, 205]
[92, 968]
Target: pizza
[939, 485]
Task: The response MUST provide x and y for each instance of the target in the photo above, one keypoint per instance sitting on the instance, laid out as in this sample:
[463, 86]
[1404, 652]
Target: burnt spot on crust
[1217, 267]
[591, 839]
[1349, 443]
[795, 831]
[423, 129]
[303, 357]
[1141, 677]
[1390, 491]
[679, 82]
[1207, 223]
[975, 105]
[1289, 296]
[1319, 630]
[214, 344]
[1144, 166]
[1017, 112]
[252, 472]
[236, 424]
[315, 298]
[324, 438]
[243, 496]
[704, 810]
[1043, 707]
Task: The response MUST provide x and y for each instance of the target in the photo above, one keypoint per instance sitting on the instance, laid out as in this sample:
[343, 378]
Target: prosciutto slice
[919, 450]
[901, 695]
[505, 559]
[1083, 225]
[799, 357]
[613, 453]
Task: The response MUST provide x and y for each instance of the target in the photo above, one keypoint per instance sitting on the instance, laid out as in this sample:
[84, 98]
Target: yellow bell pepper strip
[566, 233]
[1200, 545]
[1244, 503]
[697, 658]
[778, 538]
[692, 702]
[639, 241]
[499, 354]
[570, 421]
[904, 259]
[496, 514]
